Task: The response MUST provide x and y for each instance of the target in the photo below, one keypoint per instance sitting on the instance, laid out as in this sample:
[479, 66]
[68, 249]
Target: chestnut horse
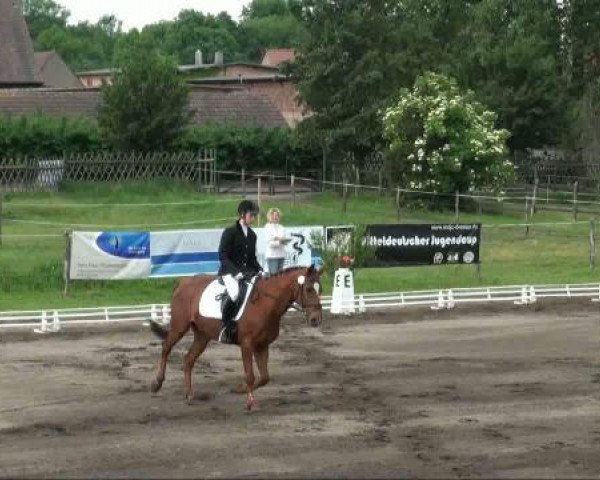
[256, 329]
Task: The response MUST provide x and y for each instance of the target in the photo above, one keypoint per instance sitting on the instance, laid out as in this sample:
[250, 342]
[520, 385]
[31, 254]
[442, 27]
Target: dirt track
[494, 392]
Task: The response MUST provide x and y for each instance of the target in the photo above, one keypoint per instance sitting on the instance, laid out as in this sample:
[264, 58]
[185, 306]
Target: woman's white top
[275, 249]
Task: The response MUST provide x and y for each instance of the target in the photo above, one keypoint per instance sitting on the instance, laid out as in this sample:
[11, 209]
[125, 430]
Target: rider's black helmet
[247, 206]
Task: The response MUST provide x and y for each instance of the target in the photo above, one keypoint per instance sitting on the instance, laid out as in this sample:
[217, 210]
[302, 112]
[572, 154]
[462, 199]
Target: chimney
[219, 58]
[198, 57]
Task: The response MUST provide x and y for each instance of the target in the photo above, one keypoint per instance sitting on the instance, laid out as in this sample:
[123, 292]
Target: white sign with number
[342, 297]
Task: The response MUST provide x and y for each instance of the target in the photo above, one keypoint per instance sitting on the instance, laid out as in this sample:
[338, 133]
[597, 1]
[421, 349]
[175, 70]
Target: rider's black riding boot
[228, 333]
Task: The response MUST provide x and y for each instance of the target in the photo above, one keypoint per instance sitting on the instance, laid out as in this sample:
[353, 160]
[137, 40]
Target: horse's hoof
[155, 386]
[250, 404]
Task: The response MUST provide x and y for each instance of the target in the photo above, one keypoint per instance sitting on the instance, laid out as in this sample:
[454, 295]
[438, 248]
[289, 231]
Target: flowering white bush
[446, 140]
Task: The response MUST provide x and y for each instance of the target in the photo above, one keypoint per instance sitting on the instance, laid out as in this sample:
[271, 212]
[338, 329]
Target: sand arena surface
[496, 391]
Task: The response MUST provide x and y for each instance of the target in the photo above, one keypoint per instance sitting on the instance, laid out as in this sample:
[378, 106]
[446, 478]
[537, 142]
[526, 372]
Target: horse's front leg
[247, 356]
[262, 359]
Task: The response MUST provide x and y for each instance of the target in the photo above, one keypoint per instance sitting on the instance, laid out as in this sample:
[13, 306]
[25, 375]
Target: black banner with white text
[424, 244]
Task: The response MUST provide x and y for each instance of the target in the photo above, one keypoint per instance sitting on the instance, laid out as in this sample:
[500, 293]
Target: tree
[146, 108]
[274, 31]
[265, 8]
[193, 30]
[444, 140]
[269, 24]
[41, 15]
[509, 55]
[358, 53]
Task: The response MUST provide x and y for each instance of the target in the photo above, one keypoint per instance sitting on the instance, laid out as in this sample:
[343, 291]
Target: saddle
[222, 297]
[214, 296]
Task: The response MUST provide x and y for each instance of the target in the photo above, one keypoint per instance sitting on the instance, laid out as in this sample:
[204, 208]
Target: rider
[237, 252]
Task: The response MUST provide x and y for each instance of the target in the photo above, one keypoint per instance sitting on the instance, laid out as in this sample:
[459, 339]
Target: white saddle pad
[211, 307]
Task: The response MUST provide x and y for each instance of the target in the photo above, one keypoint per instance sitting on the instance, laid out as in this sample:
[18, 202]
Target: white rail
[52, 320]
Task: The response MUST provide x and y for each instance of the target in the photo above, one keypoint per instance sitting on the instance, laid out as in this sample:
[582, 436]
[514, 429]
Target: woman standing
[276, 241]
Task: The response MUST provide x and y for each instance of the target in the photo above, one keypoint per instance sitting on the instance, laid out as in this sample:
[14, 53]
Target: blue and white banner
[185, 252]
[180, 253]
[192, 252]
[110, 255]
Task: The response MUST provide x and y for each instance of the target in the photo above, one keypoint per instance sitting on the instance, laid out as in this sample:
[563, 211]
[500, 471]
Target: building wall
[94, 81]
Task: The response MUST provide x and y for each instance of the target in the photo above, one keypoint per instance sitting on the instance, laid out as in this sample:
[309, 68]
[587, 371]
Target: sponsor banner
[110, 255]
[194, 252]
[416, 244]
[183, 253]
[180, 253]
[298, 252]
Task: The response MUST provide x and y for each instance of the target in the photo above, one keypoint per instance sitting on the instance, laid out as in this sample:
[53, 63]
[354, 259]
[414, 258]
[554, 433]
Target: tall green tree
[269, 24]
[194, 30]
[358, 53]
[265, 8]
[582, 61]
[146, 107]
[510, 56]
[41, 15]
[581, 19]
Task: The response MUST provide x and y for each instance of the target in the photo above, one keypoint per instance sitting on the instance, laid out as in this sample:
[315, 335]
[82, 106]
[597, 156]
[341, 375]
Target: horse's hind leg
[262, 362]
[169, 342]
[200, 343]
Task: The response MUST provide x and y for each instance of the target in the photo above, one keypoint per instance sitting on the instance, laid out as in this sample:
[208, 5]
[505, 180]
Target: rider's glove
[263, 274]
[239, 276]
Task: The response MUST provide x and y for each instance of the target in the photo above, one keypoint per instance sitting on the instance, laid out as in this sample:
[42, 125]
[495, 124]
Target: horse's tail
[159, 330]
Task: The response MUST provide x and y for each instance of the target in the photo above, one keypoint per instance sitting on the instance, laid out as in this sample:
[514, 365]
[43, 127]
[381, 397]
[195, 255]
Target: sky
[137, 13]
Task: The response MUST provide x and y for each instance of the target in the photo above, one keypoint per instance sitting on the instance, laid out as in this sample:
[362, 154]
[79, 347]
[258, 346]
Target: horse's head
[308, 295]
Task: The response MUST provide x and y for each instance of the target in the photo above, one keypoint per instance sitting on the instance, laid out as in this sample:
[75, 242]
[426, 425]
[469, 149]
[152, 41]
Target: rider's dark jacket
[237, 252]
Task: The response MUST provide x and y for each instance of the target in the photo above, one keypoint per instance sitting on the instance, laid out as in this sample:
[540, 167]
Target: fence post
[398, 202]
[324, 170]
[201, 172]
[344, 195]
[215, 172]
[0, 220]
[272, 184]
[333, 177]
[548, 190]
[456, 206]
[593, 243]
[67, 264]
[244, 182]
[258, 199]
[527, 215]
[293, 186]
[357, 172]
[380, 182]
[575, 188]
[535, 189]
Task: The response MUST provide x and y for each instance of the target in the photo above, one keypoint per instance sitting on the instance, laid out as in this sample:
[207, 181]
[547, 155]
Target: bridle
[299, 301]
[302, 305]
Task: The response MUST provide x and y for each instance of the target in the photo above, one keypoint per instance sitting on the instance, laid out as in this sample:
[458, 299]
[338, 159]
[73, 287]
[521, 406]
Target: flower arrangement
[344, 261]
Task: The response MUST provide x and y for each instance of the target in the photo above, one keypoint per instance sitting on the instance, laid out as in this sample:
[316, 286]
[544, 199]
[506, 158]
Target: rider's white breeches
[232, 286]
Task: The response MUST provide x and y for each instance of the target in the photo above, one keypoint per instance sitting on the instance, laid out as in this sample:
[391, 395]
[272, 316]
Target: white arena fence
[52, 321]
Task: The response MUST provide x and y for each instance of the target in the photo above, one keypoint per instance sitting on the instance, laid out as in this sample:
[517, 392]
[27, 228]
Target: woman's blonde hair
[271, 211]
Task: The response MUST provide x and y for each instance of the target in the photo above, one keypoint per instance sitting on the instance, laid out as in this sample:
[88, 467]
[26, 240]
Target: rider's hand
[239, 276]
[263, 274]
